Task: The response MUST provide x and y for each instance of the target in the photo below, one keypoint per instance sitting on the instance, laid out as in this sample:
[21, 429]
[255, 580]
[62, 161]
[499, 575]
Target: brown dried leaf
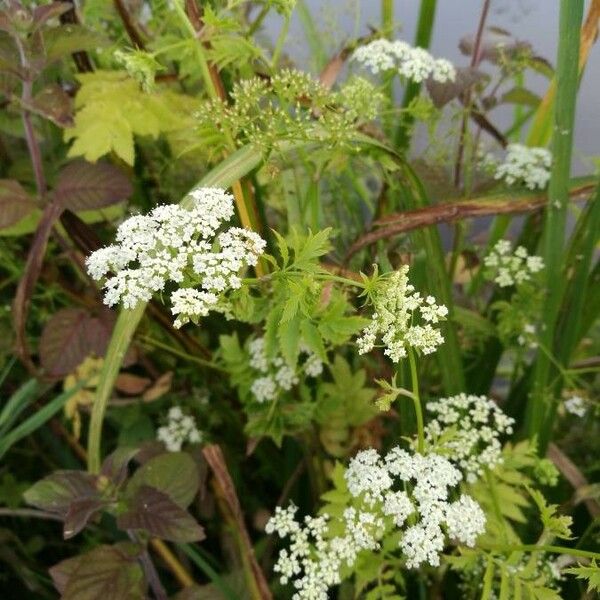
[159, 388]
[130, 384]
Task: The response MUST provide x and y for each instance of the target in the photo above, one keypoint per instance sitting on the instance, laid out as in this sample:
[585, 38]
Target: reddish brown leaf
[84, 186]
[226, 489]
[71, 335]
[104, 572]
[442, 93]
[79, 514]
[54, 104]
[15, 203]
[130, 384]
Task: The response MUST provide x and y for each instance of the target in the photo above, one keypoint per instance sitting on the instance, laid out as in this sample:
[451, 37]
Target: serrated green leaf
[288, 336]
[589, 573]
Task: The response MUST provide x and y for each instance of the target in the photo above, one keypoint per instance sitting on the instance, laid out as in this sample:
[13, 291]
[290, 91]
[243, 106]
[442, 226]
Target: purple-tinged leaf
[54, 104]
[41, 14]
[59, 490]
[85, 186]
[104, 573]
[442, 93]
[172, 473]
[70, 336]
[154, 512]
[115, 464]
[15, 203]
[79, 514]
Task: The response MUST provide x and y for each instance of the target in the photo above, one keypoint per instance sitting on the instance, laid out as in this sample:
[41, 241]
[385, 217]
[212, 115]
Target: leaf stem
[506, 548]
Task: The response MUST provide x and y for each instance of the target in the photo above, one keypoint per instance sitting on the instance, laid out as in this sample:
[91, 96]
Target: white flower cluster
[576, 405]
[396, 308]
[470, 427]
[415, 64]
[180, 429]
[182, 246]
[315, 559]
[276, 375]
[511, 268]
[522, 166]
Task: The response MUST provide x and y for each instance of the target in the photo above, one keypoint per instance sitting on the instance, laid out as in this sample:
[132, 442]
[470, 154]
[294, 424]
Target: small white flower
[508, 269]
[576, 405]
[522, 166]
[180, 428]
[416, 64]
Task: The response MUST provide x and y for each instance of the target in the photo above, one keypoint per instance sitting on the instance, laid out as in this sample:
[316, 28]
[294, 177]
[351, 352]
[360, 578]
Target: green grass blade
[37, 420]
[571, 15]
[207, 569]
[17, 403]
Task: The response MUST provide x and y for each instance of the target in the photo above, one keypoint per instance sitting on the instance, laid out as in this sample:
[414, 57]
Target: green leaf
[309, 248]
[283, 248]
[105, 572]
[557, 525]
[172, 473]
[154, 512]
[288, 336]
[112, 109]
[589, 573]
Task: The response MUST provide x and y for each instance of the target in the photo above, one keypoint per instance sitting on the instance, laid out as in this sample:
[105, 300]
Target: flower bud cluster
[468, 428]
[182, 246]
[412, 63]
[403, 318]
[508, 268]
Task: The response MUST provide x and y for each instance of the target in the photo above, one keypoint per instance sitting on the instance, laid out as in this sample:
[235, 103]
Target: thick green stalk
[422, 40]
[571, 14]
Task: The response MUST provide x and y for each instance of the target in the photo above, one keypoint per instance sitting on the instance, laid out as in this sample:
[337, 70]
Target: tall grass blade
[571, 14]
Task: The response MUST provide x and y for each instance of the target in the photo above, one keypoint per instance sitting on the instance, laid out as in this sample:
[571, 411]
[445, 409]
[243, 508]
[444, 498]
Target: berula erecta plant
[255, 345]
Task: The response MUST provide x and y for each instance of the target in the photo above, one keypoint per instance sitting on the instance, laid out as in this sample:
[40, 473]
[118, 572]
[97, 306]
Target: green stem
[571, 15]
[507, 548]
[417, 401]
[280, 42]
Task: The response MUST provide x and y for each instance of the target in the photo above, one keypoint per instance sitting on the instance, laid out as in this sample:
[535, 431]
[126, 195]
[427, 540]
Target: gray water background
[535, 21]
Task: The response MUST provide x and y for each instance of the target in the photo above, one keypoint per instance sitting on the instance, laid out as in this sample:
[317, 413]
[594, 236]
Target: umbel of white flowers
[180, 428]
[523, 165]
[511, 268]
[412, 492]
[403, 318]
[274, 374]
[181, 246]
[468, 429]
[413, 63]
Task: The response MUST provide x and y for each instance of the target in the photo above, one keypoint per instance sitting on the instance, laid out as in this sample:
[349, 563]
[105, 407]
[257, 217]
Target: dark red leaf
[70, 336]
[54, 104]
[154, 512]
[58, 491]
[79, 514]
[106, 572]
[33, 266]
[115, 464]
[84, 186]
[15, 203]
